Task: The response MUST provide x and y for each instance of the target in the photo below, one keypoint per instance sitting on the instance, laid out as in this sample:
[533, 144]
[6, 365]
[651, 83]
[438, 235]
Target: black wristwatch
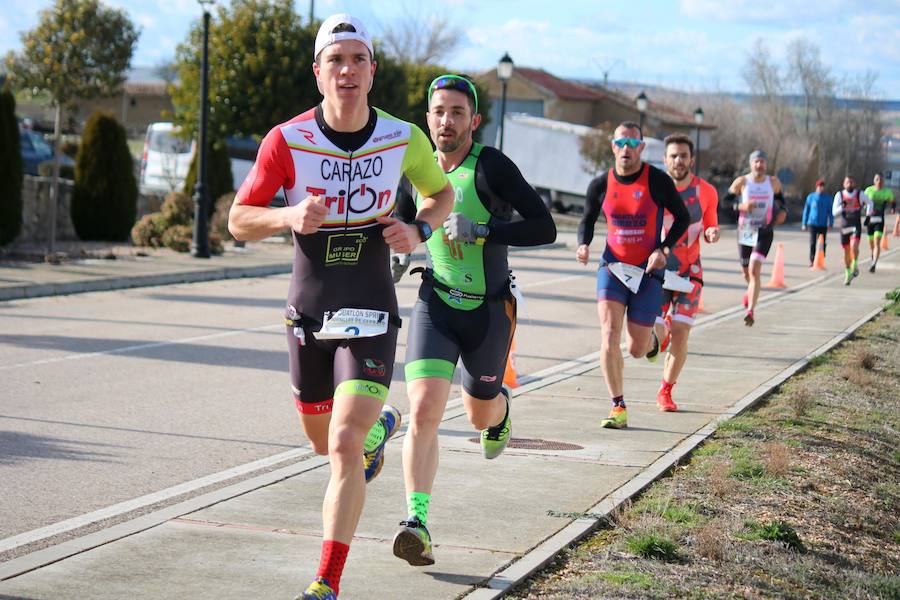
[481, 231]
[424, 229]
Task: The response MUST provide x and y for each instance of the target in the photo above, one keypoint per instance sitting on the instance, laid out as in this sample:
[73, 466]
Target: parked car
[242, 153]
[166, 159]
[36, 150]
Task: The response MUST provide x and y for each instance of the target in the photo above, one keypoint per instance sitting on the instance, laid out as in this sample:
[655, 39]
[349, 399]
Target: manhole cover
[530, 444]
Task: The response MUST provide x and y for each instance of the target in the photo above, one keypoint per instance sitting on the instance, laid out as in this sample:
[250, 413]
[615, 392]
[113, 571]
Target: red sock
[331, 563]
[666, 385]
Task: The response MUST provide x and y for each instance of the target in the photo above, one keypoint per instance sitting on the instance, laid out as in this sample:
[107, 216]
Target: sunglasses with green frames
[625, 141]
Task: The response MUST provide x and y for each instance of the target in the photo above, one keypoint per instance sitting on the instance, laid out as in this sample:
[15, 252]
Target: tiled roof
[567, 90]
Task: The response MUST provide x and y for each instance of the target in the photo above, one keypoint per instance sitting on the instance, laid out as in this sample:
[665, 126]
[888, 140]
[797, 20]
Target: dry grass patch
[778, 458]
[800, 400]
[711, 541]
[750, 516]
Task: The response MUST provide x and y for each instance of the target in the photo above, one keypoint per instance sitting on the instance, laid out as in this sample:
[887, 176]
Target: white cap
[326, 35]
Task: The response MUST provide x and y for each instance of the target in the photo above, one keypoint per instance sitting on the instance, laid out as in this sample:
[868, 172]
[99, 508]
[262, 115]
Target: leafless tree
[772, 116]
[419, 38]
[167, 70]
[810, 76]
[595, 149]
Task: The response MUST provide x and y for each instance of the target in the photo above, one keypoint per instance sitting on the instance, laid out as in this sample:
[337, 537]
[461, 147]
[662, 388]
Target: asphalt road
[108, 397]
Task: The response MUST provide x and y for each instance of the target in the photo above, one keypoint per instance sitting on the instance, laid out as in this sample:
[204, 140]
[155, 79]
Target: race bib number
[875, 219]
[848, 229]
[748, 234]
[676, 283]
[348, 323]
[630, 275]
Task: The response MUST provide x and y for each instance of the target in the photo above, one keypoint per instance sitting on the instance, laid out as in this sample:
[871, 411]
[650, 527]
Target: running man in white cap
[759, 202]
[340, 164]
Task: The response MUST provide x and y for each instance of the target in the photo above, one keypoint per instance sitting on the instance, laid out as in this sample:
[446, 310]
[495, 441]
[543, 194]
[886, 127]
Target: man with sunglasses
[682, 295]
[760, 208]
[465, 307]
[339, 164]
[633, 197]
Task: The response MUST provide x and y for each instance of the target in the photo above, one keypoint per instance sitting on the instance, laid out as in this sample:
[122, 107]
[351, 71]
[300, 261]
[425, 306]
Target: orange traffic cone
[819, 263]
[509, 375]
[896, 232]
[777, 280]
[884, 242]
[700, 307]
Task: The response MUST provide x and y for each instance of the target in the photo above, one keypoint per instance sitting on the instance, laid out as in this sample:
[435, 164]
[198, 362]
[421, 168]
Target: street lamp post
[641, 103]
[200, 241]
[504, 73]
[698, 119]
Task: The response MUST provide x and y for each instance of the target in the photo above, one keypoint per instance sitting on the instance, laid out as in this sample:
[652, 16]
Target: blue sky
[695, 45]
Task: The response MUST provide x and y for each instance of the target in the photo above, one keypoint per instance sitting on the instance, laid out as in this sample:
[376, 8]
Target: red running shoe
[664, 400]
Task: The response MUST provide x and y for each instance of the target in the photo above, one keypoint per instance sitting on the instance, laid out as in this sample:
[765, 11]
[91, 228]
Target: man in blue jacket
[817, 217]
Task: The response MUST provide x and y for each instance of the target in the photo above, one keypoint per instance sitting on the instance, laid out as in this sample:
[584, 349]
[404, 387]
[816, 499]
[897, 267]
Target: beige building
[141, 102]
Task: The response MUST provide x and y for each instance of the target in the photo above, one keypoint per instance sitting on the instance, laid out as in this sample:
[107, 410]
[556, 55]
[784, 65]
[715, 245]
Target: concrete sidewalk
[492, 521]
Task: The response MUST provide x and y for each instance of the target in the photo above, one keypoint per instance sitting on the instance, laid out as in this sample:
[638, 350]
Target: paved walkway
[260, 538]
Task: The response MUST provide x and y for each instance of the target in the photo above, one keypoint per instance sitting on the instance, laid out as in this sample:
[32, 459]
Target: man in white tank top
[759, 202]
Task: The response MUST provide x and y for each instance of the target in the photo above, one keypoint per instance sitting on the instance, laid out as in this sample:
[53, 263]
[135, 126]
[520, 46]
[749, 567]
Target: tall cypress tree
[10, 169]
[104, 199]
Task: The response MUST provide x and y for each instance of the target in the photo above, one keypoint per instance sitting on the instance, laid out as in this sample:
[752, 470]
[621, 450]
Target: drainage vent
[530, 444]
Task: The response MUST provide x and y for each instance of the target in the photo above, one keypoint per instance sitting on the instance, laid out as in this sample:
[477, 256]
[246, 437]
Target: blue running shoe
[318, 590]
[374, 460]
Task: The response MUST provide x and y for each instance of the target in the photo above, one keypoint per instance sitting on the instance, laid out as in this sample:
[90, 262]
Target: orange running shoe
[664, 399]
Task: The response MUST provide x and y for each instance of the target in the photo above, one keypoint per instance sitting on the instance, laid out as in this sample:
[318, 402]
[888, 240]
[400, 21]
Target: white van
[166, 159]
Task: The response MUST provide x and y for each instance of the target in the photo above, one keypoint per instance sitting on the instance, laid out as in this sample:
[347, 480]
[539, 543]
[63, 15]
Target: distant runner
[632, 196]
[682, 294]
[817, 218]
[880, 197]
[759, 202]
[850, 203]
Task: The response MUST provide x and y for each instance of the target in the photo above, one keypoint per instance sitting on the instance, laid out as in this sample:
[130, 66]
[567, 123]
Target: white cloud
[782, 13]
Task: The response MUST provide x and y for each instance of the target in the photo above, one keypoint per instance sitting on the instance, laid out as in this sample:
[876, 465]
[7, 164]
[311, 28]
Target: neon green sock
[855, 264]
[417, 504]
[848, 271]
[375, 436]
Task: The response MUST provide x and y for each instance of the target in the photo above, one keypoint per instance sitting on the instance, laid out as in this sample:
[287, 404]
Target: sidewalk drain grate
[535, 444]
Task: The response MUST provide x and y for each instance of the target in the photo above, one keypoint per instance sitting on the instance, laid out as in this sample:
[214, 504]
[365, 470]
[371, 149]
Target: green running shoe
[413, 543]
[494, 439]
[318, 590]
[653, 354]
[617, 419]
[374, 460]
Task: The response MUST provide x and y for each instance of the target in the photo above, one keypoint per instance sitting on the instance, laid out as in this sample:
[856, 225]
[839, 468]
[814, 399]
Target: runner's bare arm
[251, 223]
